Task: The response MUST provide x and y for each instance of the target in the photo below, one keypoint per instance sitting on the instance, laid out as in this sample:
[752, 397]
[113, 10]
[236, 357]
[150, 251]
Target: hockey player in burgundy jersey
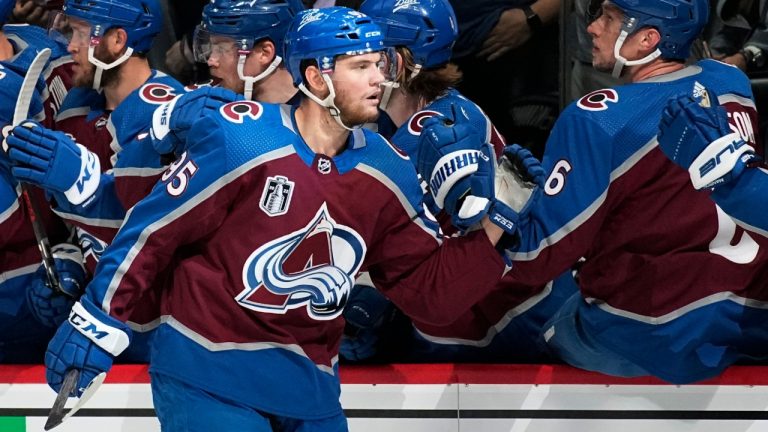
[669, 286]
[100, 161]
[108, 115]
[266, 219]
[30, 311]
[699, 138]
[504, 327]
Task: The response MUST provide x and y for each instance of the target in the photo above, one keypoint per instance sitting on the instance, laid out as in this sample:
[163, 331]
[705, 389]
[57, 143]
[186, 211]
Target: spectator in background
[179, 60]
[742, 39]
[35, 12]
[508, 51]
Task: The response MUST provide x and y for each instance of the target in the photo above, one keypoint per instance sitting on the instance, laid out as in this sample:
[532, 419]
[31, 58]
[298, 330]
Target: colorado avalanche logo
[598, 100]
[156, 93]
[313, 267]
[236, 112]
[90, 245]
[416, 123]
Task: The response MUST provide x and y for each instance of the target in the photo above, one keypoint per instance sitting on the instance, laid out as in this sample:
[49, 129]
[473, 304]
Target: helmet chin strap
[621, 61]
[389, 86]
[101, 66]
[250, 80]
[328, 102]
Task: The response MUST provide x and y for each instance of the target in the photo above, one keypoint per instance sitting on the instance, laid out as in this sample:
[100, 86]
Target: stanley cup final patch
[276, 197]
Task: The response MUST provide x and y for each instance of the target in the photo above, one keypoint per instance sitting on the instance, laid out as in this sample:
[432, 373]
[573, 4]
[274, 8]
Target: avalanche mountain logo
[313, 267]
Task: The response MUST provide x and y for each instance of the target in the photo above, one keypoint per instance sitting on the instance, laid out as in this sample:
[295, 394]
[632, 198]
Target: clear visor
[73, 31]
[206, 45]
[383, 62]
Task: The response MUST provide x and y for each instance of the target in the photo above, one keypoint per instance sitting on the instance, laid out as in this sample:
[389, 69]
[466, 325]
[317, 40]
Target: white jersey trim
[677, 313]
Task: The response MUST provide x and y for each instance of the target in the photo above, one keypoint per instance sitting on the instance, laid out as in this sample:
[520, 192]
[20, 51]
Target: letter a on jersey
[313, 267]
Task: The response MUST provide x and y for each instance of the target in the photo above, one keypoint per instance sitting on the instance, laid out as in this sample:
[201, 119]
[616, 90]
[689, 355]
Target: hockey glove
[51, 160]
[172, 120]
[366, 313]
[448, 156]
[699, 139]
[50, 307]
[89, 341]
[505, 190]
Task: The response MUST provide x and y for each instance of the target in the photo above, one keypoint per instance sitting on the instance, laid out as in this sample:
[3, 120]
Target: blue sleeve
[187, 204]
[744, 200]
[103, 205]
[571, 210]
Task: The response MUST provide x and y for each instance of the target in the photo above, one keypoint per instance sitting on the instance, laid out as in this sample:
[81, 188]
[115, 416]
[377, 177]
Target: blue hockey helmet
[6, 6]
[678, 21]
[324, 34]
[142, 20]
[251, 20]
[426, 27]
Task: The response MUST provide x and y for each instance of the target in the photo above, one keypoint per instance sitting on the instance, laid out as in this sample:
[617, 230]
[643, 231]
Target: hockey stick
[57, 416]
[20, 113]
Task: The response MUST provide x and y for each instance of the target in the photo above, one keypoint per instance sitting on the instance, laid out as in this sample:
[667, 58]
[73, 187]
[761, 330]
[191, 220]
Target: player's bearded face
[85, 70]
[357, 81]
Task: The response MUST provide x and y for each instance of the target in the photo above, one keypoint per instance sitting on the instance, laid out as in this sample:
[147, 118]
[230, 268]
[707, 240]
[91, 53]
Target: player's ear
[118, 40]
[264, 51]
[314, 80]
[650, 39]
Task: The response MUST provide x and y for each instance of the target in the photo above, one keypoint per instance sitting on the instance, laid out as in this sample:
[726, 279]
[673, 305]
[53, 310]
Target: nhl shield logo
[276, 197]
[324, 166]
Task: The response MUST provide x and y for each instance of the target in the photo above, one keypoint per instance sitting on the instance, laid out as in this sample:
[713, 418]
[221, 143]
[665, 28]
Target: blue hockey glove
[503, 190]
[51, 160]
[89, 341]
[366, 313]
[448, 155]
[699, 139]
[50, 307]
[172, 120]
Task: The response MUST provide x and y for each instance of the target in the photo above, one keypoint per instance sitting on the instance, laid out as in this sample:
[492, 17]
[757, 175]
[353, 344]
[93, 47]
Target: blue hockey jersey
[667, 277]
[264, 239]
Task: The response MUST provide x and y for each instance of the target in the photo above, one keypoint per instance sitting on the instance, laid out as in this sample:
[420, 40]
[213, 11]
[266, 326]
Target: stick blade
[27, 90]
[56, 415]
